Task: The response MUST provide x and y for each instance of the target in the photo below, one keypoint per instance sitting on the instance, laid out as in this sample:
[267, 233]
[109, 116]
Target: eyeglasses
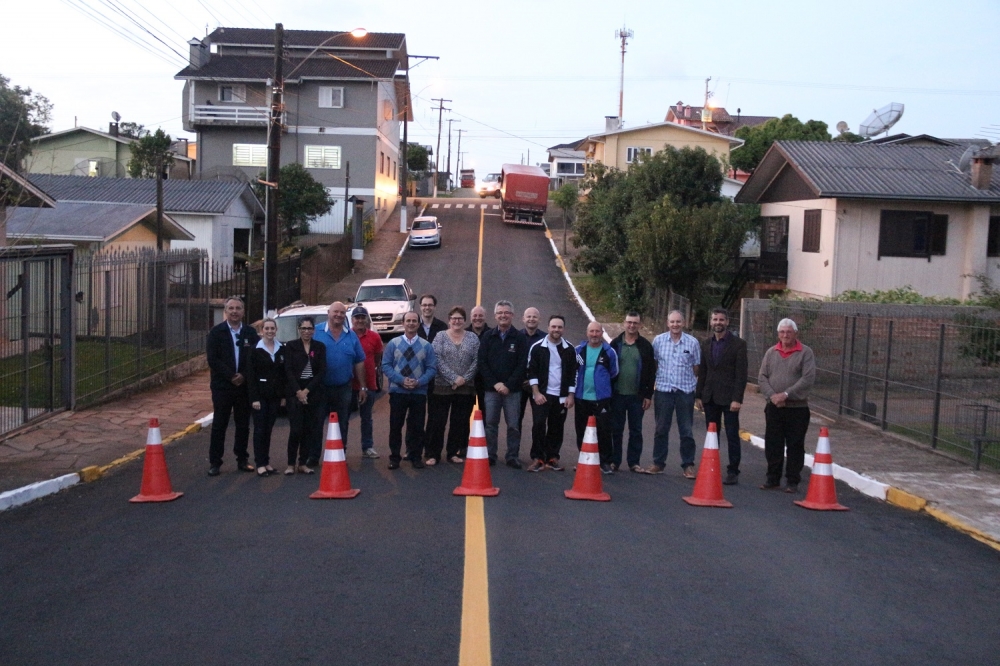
[456, 318]
[305, 328]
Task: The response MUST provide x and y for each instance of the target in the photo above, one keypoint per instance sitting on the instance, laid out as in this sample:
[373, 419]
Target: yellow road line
[474, 647]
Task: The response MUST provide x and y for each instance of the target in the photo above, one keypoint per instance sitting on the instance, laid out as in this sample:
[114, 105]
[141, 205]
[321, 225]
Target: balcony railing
[237, 115]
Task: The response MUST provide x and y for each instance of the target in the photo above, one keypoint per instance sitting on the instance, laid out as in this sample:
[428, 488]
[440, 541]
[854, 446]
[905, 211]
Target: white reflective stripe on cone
[477, 428]
[590, 435]
[477, 453]
[153, 437]
[333, 430]
[334, 455]
[712, 440]
[590, 458]
[822, 469]
[823, 446]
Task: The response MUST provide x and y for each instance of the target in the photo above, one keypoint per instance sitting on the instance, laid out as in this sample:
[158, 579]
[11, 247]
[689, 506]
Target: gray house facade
[343, 102]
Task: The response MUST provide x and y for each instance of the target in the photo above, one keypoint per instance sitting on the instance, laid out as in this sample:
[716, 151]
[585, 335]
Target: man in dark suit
[430, 325]
[722, 379]
[228, 352]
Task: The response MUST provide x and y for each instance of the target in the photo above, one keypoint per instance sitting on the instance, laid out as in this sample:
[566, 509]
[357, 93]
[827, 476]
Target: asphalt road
[247, 570]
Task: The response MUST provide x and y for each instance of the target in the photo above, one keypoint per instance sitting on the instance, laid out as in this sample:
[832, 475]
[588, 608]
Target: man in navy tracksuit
[598, 366]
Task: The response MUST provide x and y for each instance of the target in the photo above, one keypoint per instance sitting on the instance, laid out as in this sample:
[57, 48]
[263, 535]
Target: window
[386, 110]
[632, 153]
[810, 231]
[331, 98]
[775, 234]
[92, 169]
[912, 233]
[565, 167]
[993, 241]
[250, 154]
[381, 162]
[581, 168]
[323, 157]
[233, 93]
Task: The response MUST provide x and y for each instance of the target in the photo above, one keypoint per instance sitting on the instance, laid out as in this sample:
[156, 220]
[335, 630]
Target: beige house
[618, 148]
[872, 217]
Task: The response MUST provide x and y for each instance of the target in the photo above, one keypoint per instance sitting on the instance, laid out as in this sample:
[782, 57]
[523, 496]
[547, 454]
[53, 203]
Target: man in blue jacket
[409, 364]
[598, 366]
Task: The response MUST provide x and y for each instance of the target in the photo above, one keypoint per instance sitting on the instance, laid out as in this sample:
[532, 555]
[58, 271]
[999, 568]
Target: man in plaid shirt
[677, 357]
[409, 364]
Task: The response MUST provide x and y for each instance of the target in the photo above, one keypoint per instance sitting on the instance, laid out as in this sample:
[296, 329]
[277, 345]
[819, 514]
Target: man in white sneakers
[552, 367]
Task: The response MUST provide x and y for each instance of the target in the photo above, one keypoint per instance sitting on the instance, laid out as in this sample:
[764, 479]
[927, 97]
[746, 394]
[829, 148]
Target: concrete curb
[406, 243]
[576, 294]
[895, 496]
[39, 489]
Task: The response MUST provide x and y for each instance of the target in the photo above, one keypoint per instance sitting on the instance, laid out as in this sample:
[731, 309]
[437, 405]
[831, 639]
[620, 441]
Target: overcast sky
[528, 74]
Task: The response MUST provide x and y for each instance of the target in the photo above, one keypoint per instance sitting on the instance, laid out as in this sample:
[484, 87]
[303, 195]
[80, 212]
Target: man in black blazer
[228, 352]
[722, 379]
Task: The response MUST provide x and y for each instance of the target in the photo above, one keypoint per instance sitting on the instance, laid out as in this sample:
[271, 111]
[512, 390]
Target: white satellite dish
[963, 162]
[842, 127]
[115, 117]
[881, 120]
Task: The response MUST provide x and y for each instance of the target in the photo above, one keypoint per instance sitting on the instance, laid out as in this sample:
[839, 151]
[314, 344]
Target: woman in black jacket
[266, 388]
[305, 365]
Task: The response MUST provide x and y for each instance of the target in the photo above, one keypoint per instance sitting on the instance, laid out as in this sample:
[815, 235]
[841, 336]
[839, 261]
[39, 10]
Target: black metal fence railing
[931, 373]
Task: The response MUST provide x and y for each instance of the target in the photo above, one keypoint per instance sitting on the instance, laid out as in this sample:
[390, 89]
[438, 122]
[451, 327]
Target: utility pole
[159, 203]
[624, 35]
[450, 121]
[273, 167]
[437, 151]
[458, 160]
[706, 114]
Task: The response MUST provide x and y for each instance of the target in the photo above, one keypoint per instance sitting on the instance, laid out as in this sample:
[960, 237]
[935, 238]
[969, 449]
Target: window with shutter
[322, 157]
[912, 233]
[250, 154]
[331, 97]
[993, 240]
[811, 230]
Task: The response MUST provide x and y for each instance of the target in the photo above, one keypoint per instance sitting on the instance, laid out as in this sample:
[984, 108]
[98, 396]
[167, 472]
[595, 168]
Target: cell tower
[624, 34]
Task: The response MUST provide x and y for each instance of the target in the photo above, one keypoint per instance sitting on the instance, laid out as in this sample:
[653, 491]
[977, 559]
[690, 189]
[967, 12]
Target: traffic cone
[822, 495]
[708, 485]
[476, 478]
[155, 478]
[587, 484]
[334, 481]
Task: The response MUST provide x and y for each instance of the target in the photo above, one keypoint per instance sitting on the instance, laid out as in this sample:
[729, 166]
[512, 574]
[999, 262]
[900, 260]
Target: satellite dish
[963, 162]
[115, 116]
[842, 127]
[881, 120]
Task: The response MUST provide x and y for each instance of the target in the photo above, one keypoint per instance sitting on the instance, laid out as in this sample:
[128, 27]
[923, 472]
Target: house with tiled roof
[82, 151]
[871, 216]
[224, 218]
[712, 119]
[567, 164]
[344, 97]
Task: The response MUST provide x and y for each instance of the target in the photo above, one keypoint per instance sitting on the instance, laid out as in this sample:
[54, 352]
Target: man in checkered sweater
[409, 364]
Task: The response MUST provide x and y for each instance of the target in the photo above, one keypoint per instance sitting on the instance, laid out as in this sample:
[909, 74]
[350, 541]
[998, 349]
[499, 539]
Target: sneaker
[770, 486]
[638, 469]
[514, 463]
[393, 464]
[370, 452]
[614, 467]
[792, 488]
[537, 466]
[606, 469]
[655, 469]
[430, 462]
[689, 472]
[555, 466]
[213, 470]
[731, 479]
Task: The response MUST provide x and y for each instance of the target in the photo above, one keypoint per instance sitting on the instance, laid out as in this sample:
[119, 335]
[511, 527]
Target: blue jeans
[511, 406]
[626, 407]
[365, 416]
[665, 403]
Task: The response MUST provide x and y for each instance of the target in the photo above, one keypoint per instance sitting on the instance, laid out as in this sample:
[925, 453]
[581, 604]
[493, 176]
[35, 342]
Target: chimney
[612, 123]
[197, 53]
[113, 129]
[982, 172]
[687, 111]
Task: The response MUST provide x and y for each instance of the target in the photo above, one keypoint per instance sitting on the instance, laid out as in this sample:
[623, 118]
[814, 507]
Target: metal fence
[664, 301]
[36, 341]
[931, 373]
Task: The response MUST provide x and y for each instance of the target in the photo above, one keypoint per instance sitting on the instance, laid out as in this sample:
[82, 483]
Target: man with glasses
[632, 392]
[503, 358]
[345, 360]
[430, 325]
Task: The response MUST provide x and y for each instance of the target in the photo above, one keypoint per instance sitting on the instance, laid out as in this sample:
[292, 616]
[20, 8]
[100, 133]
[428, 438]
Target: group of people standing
[437, 371]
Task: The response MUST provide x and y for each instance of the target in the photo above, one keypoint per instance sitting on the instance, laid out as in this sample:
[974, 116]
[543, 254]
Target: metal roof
[86, 222]
[208, 197]
[733, 142]
[305, 38]
[16, 190]
[870, 171]
[261, 68]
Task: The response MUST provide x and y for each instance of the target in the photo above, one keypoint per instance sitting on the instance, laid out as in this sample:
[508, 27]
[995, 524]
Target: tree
[566, 198]
[148, 152]
[417, 157]
[301, 198]
[24, 115]
[758, 139]
[132, 130]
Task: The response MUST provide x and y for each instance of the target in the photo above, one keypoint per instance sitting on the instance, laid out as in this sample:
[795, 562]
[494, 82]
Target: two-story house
[343, 101]
[566, 164]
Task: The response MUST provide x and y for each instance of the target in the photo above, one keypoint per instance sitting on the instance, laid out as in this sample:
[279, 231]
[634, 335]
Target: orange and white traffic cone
[334, 480]
[822, 495]
[155, 478]
[587, 484]
[708, 485]
[476, 477]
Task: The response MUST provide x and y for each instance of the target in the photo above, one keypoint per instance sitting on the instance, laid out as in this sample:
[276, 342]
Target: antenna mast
[624, 35]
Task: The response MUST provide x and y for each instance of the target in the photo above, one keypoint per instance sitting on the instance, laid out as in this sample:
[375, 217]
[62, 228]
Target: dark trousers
[263, 423]
[525, 399]
[338, 400]
[548, 422]
[602, 410]
[626, 408]
[305, 427]
[718, 414]
[233, 401]
[438, 408]
[409, 409]
[786, 427]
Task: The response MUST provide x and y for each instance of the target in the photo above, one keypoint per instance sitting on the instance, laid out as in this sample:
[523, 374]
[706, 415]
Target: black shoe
[514, 463]
[418, 463]
[245, 466]
[493, 462]
[606, 469]
[614, 467]
[393, 464]
[731, 479]
[312, 462]
[213, 470]
[770, 486]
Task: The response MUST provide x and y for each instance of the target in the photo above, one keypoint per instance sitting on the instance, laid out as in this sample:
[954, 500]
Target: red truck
[524, 194]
